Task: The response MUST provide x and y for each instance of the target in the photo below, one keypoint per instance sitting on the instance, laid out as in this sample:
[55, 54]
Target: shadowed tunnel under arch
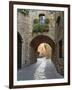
[41, 39]
[36, 42]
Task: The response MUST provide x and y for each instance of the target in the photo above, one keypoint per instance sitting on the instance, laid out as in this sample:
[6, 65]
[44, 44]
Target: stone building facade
[59, 39]
[30, 42]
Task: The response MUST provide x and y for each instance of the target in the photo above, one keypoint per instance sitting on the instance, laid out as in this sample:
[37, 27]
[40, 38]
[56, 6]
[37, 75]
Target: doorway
[19, 51]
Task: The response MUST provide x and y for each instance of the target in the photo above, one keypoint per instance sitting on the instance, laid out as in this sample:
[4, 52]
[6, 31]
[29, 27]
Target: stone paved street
[42, 69]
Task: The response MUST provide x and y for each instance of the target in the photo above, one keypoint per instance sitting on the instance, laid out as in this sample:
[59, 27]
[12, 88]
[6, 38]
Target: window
[42, 18]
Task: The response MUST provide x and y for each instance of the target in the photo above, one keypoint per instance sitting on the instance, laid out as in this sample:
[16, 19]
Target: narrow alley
[42, 69]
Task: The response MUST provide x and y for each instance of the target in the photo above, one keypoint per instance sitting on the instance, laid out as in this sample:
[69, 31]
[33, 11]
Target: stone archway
[36, 42]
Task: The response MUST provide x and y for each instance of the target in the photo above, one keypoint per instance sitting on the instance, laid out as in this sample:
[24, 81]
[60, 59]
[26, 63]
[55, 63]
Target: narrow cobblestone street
[42, 69]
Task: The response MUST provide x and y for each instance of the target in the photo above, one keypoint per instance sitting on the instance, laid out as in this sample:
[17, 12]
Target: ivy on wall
[37, 27]
[40, 28]
[23, 11]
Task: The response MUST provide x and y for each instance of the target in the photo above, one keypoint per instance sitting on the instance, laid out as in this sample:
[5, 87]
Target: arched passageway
[41, 39]
[44, 68]
[36, 42]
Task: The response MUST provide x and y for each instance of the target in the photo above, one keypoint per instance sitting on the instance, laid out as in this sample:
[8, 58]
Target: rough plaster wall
[60, 36]
[23, 27]
[50, 16]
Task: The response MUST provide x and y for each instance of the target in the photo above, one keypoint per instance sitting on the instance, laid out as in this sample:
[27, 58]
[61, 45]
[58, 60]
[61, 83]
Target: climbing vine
[37, 27]
[23, 11]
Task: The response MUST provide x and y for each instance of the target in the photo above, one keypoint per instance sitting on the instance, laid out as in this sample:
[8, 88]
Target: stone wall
[24, 28]
[51, 16]
[59, 36]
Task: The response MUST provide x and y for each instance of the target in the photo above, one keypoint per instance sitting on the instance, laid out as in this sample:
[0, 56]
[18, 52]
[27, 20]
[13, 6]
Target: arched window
[42, 18]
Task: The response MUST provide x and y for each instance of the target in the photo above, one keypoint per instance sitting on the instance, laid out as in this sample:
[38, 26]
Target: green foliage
[40, 28]
[37, 27]
[47, 21]
[36, 21]
[24, 11]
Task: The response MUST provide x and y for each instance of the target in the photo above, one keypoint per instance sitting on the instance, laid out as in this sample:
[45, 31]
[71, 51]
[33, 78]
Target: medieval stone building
[51, 31]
